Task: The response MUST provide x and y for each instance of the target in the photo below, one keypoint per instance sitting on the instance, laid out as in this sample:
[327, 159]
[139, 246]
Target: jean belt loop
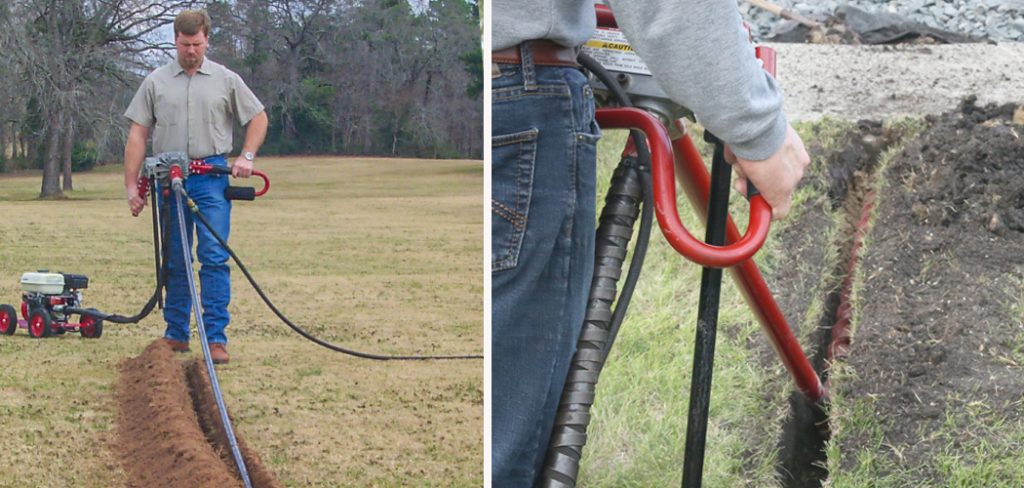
[529, 69]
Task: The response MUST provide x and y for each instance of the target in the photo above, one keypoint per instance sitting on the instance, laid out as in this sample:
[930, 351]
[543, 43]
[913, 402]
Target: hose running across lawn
[300, 330]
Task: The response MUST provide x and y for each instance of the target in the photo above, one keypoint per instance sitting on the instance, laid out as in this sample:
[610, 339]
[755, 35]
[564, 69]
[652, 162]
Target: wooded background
[360, 77]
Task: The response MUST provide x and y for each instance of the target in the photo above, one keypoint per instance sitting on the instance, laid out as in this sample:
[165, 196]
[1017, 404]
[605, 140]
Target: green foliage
[309, 116]
[374, 77]
[474, 66]
[84, 156]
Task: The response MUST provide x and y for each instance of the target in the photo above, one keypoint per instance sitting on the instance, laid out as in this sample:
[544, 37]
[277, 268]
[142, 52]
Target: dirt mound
[169, 431]
[936, 351]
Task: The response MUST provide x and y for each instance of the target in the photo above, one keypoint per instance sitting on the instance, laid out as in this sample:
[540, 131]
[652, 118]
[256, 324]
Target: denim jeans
[214, 275]
[542, 229]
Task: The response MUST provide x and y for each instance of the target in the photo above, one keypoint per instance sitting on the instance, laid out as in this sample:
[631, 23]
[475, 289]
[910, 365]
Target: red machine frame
[678, 159]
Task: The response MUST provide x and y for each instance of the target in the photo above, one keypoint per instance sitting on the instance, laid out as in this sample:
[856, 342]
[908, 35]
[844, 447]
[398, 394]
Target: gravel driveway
[879, 82]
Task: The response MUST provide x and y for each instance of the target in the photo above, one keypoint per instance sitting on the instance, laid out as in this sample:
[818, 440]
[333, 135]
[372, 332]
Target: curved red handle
[266, 182]
[201, 168]
[663, 171]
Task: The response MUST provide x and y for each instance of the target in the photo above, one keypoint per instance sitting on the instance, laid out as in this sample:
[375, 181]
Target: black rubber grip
[240, 193]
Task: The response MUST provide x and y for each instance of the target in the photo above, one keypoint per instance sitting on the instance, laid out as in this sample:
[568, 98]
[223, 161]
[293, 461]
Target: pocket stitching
[527, 141]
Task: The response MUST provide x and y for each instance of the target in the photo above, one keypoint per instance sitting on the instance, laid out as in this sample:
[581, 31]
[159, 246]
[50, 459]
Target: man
[190, 105]
[543, 179]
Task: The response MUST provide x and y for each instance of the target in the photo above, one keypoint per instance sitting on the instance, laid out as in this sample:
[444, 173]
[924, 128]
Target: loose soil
[169, 430]
[935, 335]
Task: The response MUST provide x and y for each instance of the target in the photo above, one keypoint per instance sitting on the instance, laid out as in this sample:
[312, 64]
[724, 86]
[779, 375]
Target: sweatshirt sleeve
[700, 56]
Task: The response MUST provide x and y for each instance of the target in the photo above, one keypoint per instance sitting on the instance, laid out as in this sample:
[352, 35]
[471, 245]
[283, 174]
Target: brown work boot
[219, 353]
[177, 346]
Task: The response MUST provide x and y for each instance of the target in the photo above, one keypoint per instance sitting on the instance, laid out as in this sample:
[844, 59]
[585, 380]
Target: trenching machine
[658, 154]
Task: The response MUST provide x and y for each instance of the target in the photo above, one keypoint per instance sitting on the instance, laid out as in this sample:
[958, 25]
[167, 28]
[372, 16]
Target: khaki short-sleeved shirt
[193, 114]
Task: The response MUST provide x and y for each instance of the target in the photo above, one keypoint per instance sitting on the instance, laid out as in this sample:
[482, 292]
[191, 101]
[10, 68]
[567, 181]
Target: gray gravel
[996, 20]
[881, 82]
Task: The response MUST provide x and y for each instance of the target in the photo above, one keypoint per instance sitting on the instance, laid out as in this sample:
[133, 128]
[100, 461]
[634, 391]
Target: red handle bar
[197, 168]
[663, 171]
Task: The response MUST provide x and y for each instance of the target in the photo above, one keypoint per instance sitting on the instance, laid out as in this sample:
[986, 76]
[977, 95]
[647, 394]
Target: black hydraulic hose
[609, 81]
[300, 330]
[639, 251]
[160, 256]
[631, 186]
[615, 229]
[157, 240]
[707, 322]
[647, 216]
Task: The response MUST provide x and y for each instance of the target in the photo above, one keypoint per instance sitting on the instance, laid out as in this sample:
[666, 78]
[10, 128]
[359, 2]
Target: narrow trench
[802, 458]
[208, 417]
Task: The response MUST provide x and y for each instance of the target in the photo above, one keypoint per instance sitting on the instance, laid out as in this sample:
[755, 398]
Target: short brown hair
[190, 22]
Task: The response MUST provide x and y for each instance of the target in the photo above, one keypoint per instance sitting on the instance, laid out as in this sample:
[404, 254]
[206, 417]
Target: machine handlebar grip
[240, 193]
[663, 171]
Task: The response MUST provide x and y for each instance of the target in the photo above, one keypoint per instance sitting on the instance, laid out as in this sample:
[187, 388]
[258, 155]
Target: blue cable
[179, 190]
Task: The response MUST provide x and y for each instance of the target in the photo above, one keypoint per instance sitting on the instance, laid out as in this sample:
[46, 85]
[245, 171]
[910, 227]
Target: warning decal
[610, 48]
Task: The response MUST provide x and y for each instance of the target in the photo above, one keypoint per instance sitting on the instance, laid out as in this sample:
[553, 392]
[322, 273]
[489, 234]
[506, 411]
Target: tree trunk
[30, 144]
[69, 143]
[51, 162]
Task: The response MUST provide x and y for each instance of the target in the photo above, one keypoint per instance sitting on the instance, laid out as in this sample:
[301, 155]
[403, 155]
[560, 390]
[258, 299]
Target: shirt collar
[203, 68]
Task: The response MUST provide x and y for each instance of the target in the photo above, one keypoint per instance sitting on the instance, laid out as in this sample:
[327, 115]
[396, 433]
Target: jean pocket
[586, 143]
[512, 166]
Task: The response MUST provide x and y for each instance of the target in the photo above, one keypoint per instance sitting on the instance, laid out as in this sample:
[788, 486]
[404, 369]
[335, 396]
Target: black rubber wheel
[8, 320]
[39, 323]
[90, 327]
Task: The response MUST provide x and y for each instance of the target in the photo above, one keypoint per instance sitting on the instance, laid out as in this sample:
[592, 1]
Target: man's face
[191, 49]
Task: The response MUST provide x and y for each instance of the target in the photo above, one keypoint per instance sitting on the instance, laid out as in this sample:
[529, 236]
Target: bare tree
[76, 48]
[337, 76]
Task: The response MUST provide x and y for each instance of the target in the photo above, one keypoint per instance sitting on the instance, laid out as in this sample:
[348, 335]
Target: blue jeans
[544, 144]
[214, 275]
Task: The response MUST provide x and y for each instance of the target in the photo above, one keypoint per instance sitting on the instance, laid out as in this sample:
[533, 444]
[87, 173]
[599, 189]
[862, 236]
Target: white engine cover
[45, 283]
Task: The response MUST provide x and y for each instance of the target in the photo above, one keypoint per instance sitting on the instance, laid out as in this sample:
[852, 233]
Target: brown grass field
[381, 255]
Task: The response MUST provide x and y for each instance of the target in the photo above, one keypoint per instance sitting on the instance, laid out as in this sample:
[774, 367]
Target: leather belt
[545, 53]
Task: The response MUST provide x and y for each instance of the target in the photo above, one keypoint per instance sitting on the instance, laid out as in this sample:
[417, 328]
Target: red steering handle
[663, 172]
[200, 168]
[266, 182]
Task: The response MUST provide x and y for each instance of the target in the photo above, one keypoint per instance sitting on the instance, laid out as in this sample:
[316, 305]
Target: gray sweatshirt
[697, 51]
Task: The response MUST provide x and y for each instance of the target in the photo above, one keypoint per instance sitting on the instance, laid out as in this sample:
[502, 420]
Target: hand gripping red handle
[663, 172]
[199, 168]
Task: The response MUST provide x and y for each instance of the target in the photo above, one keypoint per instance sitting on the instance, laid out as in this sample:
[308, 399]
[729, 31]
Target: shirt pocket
[513, 158]
[219, 120]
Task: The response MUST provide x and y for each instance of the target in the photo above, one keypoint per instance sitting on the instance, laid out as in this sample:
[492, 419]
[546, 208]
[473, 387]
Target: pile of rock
[995, 20]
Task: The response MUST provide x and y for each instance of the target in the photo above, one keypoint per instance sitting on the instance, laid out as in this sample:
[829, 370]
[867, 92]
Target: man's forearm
[134, 153]
[700, 56]
[255, 133]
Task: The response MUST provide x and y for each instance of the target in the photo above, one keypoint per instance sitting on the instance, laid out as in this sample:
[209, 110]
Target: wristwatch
[248, 155]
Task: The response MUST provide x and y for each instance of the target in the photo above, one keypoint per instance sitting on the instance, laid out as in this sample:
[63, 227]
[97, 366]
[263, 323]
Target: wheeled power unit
[48, 301]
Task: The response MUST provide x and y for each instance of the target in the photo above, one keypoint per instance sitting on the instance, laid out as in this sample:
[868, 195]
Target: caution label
[610, 48]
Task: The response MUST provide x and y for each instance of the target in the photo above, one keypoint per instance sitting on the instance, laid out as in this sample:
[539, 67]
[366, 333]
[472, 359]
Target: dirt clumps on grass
[937, 350]
[169, 431]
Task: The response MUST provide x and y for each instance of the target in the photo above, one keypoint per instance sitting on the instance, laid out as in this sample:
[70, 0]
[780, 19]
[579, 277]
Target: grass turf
[377, 254]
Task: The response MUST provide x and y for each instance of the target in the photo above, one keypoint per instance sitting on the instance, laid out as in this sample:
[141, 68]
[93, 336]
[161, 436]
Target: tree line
[351, 77]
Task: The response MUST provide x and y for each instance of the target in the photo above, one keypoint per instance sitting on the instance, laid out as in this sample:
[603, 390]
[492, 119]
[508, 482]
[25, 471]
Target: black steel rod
[157, 241]
[707, 322]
